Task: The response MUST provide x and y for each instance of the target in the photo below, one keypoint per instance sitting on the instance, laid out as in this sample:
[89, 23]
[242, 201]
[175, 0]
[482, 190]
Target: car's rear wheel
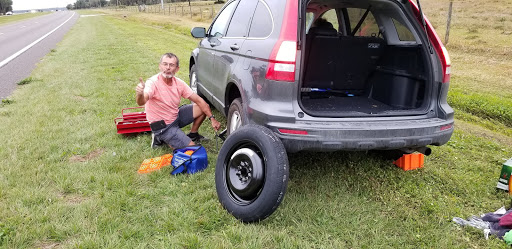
[235, 115]
[251, 174]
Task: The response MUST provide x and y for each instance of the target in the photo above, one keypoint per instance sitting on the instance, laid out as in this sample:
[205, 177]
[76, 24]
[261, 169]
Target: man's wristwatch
[210, 117]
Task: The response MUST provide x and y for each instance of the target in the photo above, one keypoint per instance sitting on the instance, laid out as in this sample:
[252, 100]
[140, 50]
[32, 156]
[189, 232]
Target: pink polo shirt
[164, 99]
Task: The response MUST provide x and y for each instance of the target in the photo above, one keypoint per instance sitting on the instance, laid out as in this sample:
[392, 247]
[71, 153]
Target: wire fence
[197, 12]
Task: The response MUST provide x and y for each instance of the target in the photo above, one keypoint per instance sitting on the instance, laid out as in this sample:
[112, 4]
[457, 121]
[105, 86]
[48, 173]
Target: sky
[39, 4]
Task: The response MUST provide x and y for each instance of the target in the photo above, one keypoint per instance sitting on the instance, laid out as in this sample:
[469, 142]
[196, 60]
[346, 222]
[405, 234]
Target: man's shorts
[172, 134]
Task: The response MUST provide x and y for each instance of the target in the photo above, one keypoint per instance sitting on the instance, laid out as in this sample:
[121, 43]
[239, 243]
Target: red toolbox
[132, 122]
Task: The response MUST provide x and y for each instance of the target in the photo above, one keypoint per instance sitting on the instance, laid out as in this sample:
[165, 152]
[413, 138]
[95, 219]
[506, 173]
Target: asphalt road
[24, 43]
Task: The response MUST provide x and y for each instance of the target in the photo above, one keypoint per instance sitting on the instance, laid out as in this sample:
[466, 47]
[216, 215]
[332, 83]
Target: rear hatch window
[363, 58]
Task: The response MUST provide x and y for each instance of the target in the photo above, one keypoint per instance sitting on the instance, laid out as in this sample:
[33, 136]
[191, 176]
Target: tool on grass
[320, 90]
[222, 136]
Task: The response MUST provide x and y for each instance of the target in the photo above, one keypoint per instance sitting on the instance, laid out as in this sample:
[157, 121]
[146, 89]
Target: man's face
[168, 67]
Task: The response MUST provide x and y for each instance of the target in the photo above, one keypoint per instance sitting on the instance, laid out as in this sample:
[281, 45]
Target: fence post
[182, 13]
[190, 10]
[447, 36]
[211, 16]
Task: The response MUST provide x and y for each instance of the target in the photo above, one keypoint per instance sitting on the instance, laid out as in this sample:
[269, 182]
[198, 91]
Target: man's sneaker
[155, 142]
[196, 137]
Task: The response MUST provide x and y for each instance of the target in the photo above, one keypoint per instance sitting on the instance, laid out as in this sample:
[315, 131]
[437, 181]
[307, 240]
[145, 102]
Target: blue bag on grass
[189, 160]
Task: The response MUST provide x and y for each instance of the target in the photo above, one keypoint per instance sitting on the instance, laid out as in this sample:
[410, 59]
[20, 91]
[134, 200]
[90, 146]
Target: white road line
[10, 58]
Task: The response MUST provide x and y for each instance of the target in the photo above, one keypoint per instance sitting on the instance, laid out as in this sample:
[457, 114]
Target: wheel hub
[245, 174]
[193, 82]
[244, 171]
[235, 122]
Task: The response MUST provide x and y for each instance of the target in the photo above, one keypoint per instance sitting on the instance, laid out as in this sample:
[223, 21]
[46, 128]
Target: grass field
[19, 17]
[67, 180]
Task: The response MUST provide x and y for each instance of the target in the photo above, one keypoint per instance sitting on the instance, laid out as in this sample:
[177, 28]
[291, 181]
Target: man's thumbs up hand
[140, 87]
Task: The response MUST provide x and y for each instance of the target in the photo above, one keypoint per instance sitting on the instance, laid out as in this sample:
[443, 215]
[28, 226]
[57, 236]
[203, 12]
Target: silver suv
[319, 75]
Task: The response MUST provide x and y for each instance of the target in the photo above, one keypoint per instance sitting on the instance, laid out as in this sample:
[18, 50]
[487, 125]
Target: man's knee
[197, 112]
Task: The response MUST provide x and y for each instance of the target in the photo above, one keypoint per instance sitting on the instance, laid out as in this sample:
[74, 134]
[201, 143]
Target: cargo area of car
[347, 75]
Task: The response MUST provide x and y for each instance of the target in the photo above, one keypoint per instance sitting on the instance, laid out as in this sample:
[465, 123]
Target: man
[161, 95]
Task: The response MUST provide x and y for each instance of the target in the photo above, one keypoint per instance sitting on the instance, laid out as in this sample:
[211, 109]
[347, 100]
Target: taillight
[436, 42]
[446, 127]
[281, 65]
[293, 132]
[447, 65]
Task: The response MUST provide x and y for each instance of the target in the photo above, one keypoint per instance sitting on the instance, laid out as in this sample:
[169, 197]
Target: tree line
[5, 6]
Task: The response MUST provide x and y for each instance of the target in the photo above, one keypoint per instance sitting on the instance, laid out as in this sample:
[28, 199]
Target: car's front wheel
[252, 173]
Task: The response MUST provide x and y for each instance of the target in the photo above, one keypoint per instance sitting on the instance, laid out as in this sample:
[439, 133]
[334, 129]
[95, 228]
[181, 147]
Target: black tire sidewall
[276, 173]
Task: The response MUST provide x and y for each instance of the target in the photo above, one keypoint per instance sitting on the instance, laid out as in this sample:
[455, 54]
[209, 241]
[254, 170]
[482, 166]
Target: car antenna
[424, 23]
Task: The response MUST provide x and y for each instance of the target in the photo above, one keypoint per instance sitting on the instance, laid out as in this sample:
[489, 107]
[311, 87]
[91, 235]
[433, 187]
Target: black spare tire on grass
[251, 173]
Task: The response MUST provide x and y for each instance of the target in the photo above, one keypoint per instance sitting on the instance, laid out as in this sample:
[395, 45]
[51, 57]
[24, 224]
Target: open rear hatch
[372, 60]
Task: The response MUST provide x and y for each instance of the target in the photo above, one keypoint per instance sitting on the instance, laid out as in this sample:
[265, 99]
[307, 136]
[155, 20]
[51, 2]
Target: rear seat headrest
[331, 31]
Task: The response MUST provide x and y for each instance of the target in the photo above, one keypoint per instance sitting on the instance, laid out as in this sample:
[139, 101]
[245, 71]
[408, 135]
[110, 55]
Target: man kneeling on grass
[162, 94]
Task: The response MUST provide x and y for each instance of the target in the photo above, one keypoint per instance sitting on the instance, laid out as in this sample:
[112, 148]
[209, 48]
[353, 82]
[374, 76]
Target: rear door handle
[234, 47]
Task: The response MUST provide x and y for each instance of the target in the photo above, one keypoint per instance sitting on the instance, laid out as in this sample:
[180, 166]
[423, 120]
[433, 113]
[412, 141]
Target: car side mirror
[198, 32]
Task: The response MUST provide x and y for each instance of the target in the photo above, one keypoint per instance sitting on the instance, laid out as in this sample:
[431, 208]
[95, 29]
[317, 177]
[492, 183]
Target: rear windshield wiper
[425, 27]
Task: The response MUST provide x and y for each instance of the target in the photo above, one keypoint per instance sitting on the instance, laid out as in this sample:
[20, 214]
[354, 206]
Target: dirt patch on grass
[482, 132]
[78, 97]
[84, 158]
[72, 199]
[47, 245]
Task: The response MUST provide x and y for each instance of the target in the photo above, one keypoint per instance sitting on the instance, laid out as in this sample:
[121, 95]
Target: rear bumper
[377, 135]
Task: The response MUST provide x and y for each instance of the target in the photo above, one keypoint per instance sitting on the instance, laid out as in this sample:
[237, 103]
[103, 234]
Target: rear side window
[331, 17]
[309, 19]
[240, 21]
[404, 34]
[219, 26]
[262, 24]
[368, 28]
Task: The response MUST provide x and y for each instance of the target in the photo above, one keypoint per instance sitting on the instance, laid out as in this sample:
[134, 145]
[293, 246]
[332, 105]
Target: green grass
[19, 17]
[48, 198]
[483, 105]
[26, 81]
[480, 50]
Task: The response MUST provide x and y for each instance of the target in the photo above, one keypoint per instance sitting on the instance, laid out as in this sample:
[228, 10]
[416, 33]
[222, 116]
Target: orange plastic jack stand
[410, 161]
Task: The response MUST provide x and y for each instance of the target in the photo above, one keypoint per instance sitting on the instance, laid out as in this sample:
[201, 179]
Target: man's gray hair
[170, 55]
